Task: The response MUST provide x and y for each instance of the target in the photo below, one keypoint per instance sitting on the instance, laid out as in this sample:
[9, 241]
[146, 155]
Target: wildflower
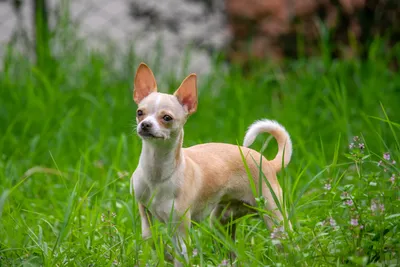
[278, 233]
[103, 217]
[386, 156]
[379, 163]
[115, 262]
[382, 207]
[361, 146]
[355, 138]
[349, 202]
[274, 234]
[327, 187]
[113, 214]
[351, 146]
[392, 178]
[374, 206]
[354, 221]
[345, 194]
[224, 263]
[393, 162]
[332, 222]
[361, 226]
[195, 252]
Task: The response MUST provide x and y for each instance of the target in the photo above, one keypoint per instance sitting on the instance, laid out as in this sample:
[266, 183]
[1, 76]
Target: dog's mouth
[149, 135]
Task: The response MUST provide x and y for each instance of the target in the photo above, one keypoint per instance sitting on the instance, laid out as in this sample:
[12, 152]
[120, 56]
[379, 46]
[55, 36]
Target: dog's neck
[161, 159]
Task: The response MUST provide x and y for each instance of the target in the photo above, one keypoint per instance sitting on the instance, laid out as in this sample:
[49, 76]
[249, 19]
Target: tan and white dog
[178, 185]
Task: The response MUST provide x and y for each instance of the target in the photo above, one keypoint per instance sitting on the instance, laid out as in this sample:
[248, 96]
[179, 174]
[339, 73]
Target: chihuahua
[180, 185]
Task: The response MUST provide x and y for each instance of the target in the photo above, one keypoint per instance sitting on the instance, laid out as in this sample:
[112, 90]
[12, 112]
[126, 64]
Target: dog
[180, 185]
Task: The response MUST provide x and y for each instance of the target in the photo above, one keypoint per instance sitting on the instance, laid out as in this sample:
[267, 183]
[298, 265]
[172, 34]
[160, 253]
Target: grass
[68, 147]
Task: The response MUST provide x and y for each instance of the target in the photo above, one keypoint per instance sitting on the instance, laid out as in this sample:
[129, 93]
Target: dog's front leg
[145, 217]
[180, 236]
[145, 221]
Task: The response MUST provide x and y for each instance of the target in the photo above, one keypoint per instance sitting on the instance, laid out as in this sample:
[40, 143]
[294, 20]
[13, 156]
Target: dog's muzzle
[145, 129]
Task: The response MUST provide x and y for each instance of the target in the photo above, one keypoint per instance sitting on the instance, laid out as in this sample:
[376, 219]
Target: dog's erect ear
[187, 93]
[144, 83]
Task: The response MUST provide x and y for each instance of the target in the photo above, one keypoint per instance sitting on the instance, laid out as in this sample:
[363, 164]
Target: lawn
[68, 147]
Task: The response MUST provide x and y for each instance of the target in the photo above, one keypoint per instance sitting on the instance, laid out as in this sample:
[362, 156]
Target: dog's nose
[146, 125]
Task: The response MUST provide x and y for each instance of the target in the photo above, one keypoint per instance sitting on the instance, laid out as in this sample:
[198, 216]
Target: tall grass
[68, 147]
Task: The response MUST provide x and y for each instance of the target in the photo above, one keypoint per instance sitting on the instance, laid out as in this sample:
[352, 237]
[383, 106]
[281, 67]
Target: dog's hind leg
[273, 207]
[226, 216]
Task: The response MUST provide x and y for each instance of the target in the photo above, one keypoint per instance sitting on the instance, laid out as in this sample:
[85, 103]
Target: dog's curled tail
[281, 136]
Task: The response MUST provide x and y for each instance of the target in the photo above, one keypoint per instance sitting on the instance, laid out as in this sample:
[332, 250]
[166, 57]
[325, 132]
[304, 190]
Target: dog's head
[162, 116]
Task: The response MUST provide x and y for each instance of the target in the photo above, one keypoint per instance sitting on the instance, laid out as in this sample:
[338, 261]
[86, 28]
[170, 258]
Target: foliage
[68, 147]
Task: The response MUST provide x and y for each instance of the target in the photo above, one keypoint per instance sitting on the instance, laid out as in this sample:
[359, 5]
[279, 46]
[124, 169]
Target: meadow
[68, 147]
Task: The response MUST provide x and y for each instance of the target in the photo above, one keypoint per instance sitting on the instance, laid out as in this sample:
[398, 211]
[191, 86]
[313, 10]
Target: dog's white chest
[158, 198]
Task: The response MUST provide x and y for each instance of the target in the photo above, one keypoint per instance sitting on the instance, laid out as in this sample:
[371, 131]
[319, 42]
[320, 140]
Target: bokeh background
[240, 29]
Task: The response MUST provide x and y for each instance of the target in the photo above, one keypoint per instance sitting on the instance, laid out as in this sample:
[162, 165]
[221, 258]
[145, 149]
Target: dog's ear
[144, 83]
[187, 93]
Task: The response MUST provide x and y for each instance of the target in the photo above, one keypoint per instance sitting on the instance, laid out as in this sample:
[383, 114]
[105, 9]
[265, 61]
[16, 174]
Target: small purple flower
[349, 202]
[224, 263]
[374, 206]
[351, 146]
[274, 234]
[332, 222]
[195, 252]
[354, 221]
[345, 194]
[361, 226]
[392, 178]
[327, 187]
[278, 233]
[382, 207]
[361, 146]
[386, 156]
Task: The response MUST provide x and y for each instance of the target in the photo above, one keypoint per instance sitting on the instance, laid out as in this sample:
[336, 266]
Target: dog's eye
[139, 112]
[167, 118]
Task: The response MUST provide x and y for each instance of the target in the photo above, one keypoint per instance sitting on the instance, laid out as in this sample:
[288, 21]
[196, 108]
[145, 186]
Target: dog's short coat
[205, 179]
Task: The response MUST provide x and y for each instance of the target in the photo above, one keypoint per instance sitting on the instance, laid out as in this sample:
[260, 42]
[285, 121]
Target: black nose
[146, 125]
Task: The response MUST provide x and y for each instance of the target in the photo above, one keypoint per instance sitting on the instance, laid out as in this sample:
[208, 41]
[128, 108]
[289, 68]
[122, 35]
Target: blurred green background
[68, 144]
